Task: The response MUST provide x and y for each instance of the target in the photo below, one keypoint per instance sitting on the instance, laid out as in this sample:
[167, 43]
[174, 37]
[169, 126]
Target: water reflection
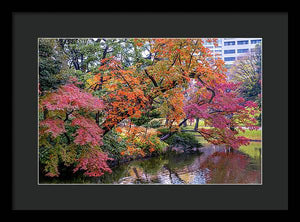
[211, 165]
[214, 165]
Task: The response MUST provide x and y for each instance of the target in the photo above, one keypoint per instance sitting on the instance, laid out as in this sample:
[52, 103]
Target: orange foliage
[139, 141]
[131, 90]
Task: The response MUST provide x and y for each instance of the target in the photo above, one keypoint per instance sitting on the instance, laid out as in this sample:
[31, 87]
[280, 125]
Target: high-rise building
[232, 49]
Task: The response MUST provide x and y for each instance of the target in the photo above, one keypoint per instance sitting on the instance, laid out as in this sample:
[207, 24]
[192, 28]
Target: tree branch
[150, 77]
[203, 102]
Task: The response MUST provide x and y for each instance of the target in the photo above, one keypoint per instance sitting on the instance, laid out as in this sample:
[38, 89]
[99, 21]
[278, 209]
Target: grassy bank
[252, 134]
[253, 150]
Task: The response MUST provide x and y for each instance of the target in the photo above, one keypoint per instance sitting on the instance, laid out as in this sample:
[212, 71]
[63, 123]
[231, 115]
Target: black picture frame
[271, 26]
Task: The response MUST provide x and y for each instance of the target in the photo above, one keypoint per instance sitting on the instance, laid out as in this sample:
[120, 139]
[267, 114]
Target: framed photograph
[149, 108]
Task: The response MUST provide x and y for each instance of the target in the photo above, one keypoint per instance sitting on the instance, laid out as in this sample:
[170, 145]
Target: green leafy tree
[248, 71]
[50, 65]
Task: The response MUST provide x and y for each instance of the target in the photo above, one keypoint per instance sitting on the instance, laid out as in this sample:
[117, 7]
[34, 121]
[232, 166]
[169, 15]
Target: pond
[210, 165]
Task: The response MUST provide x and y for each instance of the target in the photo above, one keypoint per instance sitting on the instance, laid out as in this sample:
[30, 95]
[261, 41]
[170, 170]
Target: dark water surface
[212, 165]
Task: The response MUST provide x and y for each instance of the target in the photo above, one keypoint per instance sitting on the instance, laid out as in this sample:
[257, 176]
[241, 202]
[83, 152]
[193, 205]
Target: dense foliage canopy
[101, 99]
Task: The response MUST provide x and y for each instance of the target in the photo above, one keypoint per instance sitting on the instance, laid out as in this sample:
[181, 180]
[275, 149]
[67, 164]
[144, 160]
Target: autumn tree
[226, 114]
[69, 114]
[174, 63]
[178, 78]
[68, 132]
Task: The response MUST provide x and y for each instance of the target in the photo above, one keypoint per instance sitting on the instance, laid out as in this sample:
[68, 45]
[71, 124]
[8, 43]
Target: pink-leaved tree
[69, 131]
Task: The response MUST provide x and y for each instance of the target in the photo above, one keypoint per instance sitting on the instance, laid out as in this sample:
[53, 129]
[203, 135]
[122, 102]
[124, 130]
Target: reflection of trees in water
[161, 169]
[117, 173]
[230, 167]
[173, 175]
[212, 166]
[178, 161]
[152, 165]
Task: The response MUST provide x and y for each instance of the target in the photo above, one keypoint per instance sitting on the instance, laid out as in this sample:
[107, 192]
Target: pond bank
[209, 164]
[177, 149]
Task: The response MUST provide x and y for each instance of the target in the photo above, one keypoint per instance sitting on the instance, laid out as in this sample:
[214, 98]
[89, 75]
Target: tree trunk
[197, 124]
[101, 64]
[45, 113]
[97, 118]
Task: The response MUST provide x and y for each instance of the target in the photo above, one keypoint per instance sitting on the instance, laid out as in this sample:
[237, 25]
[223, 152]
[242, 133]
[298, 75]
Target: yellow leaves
[173, 106]
[92, 81]
[112, 87]
[138, 140]
[105, 78]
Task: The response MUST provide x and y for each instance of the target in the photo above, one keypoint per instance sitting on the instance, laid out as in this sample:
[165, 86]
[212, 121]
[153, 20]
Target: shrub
[155, 123]
[163, 131]
[113, 144]
[145, 118]
[185, 139]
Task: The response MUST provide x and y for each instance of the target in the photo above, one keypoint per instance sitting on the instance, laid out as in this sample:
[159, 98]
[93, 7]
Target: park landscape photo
[150, 111]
